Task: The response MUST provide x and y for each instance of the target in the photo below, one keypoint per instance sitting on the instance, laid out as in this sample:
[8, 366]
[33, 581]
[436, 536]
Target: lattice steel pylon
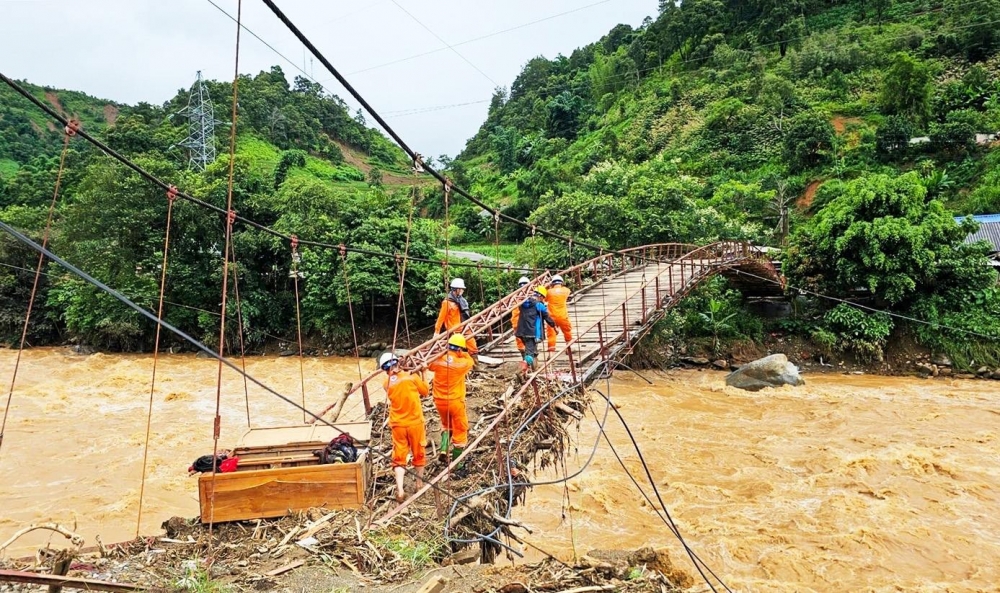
[201, 126]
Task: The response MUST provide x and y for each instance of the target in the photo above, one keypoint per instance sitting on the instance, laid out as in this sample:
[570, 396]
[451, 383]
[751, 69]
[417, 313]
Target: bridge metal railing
[587, 275]
[693, 267]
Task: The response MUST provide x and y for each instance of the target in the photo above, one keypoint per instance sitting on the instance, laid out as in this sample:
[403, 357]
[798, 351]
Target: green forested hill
[853, 121]
[715, 117]
[304, 165]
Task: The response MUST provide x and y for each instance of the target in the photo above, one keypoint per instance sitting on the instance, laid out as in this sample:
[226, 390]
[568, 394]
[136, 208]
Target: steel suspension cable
[189, 339]
[69, 131]
[171, 198]
[230, 218]
[417, 159]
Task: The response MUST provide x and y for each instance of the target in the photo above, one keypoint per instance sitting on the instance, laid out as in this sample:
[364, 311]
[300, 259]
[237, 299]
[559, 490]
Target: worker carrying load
[529, 326]
[516, 314]
[450, 370]
[406, 419]
[455, 311]
[556, 302]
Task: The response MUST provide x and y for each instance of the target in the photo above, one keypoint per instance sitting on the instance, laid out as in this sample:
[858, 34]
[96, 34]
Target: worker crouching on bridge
[450, 370]
[454, 312]
[556, 301]
[406, 419]
[516, 314]
[529, 326]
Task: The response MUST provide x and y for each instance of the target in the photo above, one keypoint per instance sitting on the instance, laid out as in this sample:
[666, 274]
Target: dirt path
[805, 201]
[356, 159]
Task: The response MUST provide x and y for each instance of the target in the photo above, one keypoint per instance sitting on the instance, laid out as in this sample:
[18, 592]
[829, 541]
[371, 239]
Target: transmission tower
[201, 126]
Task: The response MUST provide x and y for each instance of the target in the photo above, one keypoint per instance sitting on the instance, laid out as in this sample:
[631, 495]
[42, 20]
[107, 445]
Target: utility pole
[201, 126]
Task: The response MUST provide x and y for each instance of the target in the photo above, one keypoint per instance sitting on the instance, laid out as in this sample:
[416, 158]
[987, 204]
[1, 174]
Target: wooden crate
[274, 479]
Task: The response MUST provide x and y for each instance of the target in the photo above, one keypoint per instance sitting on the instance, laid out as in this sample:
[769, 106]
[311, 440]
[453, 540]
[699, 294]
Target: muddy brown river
[851, 483]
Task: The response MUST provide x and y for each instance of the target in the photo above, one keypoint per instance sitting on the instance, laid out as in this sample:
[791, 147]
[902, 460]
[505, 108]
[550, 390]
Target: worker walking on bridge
[406, 419]
[529, 326]
[516, 314]
[448, 385]
[556, 302]
[454, 312]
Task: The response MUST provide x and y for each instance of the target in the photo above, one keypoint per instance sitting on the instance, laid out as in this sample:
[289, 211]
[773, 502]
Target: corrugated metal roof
[990, 231]
[981, 218]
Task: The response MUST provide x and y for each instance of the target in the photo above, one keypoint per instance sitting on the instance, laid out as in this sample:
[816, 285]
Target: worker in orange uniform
[406, 419]
[556, 301]
[516, 314]
[455, 311]
[450, 370]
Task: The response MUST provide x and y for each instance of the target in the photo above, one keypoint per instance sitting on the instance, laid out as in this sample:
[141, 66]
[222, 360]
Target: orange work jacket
[556, 301]
[449, 371]
[404, 391]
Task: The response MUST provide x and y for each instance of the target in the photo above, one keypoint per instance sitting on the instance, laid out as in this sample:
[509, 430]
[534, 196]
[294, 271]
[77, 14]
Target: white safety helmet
[557, 279]
[387, 358]
[522, 281]
[458, 283]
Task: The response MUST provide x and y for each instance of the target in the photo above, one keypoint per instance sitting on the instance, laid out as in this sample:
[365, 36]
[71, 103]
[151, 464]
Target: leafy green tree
[880, 234]
[563, 117]
[957, 135]
[808, 140]
[892, 139]
[906, 88]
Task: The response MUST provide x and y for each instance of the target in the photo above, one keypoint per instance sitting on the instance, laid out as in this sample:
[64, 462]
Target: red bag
[229, 465]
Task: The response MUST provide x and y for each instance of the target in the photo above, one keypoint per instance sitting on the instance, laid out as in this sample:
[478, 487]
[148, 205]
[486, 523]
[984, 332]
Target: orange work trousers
[454, 419]
[408, 439]
[550, 332]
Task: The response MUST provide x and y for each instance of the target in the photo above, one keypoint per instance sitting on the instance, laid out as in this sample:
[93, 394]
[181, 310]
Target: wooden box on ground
[278, 474]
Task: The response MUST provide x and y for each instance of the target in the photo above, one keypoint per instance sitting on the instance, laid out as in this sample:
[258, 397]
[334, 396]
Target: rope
[171, 197]
[296, 258]
[70, 130]
[231, 216]
[447, 232]
[239, 321]
[402, 270]
[350, 311]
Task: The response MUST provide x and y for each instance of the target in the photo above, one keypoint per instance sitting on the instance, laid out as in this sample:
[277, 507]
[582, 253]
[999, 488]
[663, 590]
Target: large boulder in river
[770, 371]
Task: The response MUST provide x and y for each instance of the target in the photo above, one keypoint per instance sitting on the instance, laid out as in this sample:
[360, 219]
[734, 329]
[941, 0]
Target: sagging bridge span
[617, 299]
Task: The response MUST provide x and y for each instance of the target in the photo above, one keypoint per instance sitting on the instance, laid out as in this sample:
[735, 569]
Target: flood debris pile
[321, 550]
[349, 548]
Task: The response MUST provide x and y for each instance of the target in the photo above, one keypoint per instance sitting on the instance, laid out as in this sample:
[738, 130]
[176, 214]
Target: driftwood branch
[74, 538]
[339, 406]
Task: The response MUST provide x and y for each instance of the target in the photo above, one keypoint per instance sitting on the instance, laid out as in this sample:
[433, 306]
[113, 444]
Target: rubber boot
[445, 443]
[459, 470]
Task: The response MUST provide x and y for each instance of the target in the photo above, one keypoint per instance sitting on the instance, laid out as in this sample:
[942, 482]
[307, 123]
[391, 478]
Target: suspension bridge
[619, 297]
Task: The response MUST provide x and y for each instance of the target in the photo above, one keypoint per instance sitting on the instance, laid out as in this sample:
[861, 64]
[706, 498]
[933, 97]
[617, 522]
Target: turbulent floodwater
[851, 483]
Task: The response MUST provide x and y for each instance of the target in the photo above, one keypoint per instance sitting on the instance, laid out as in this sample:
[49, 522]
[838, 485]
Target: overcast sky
[145, 50]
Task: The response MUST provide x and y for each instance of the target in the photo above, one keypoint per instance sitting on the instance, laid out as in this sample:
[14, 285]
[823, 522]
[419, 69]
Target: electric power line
[449, 46]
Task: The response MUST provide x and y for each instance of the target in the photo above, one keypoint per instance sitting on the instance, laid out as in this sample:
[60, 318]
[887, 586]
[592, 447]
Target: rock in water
[770, 371]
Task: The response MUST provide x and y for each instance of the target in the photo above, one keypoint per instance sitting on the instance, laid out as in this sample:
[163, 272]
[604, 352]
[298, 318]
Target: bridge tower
[201, 126]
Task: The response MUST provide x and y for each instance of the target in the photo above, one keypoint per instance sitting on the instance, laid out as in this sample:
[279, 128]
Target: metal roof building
[989, 230]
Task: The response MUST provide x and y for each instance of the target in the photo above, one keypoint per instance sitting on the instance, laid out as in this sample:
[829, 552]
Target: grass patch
[418, 554]
[8, 167]
[333, 173]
